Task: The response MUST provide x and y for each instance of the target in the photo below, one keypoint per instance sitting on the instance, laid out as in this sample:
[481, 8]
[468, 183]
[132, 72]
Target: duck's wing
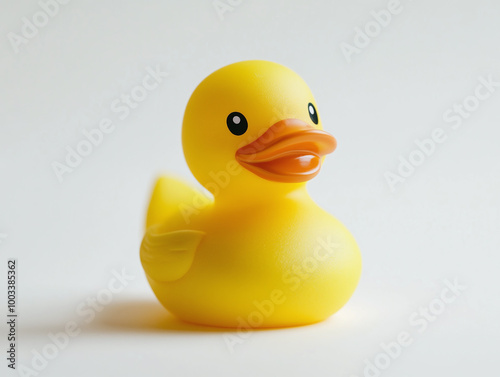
[168, 256]
[172, 198]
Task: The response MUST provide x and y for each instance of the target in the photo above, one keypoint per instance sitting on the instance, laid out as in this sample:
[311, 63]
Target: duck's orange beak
[289, 151]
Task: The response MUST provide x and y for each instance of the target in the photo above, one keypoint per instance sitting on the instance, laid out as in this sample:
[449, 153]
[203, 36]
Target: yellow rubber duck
[256, 252]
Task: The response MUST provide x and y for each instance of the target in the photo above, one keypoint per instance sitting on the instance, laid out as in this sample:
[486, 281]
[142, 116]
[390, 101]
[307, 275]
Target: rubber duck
[253, 250]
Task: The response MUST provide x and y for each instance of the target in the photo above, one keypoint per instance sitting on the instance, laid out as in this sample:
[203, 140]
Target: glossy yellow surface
[257, 251]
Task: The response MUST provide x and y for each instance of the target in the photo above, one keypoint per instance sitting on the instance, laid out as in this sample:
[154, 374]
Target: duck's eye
[237, 123]
[312, 113]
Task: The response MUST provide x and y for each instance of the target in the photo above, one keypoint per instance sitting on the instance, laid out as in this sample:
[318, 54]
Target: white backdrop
[384, 75]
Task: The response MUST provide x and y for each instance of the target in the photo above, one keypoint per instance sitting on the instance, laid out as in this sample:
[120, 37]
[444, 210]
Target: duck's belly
[254, 272]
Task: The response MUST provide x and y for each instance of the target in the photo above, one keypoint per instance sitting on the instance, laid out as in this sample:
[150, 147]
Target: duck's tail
[172, 196]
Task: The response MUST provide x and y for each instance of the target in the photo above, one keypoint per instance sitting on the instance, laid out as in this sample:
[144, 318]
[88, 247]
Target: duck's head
[254, 126]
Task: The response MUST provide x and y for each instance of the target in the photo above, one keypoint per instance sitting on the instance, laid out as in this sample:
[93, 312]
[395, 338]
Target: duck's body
[284, 256]
[261, 253]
